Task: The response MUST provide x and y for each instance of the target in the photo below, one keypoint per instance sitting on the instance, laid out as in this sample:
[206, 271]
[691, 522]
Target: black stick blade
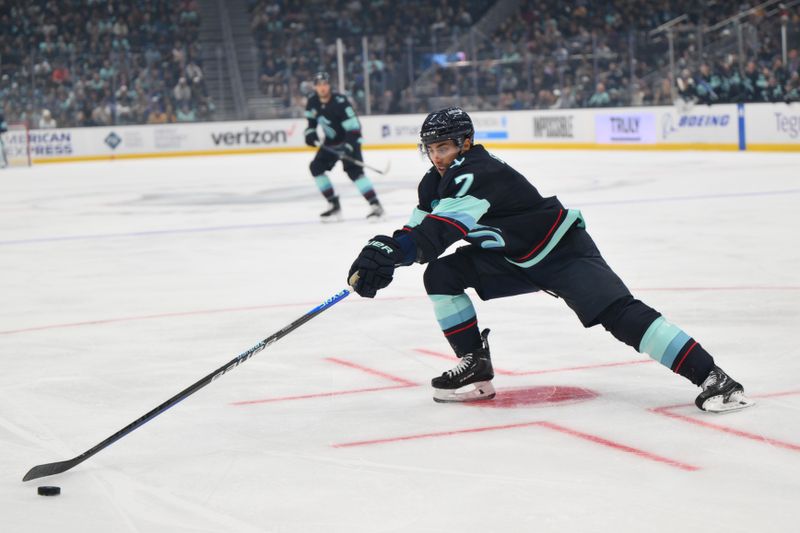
[49, 469]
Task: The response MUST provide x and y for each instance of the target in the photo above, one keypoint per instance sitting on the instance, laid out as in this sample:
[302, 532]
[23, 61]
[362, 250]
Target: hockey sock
[365, 188]
[325, 186]
[673, 348]
[642, 327]
[456, 317]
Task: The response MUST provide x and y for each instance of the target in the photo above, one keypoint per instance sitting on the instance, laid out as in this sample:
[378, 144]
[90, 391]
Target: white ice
[123, 283]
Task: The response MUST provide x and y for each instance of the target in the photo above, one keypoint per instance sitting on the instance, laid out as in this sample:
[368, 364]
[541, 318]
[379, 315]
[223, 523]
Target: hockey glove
[311, 137]
[375, 266]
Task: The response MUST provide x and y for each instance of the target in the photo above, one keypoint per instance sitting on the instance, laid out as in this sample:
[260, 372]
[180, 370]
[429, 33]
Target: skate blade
[475, 392]
[331, 219]
[372, 218]
[736, 402]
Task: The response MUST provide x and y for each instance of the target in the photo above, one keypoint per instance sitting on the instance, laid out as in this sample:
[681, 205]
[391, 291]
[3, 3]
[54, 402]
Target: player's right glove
[375, 266]
[311, 137]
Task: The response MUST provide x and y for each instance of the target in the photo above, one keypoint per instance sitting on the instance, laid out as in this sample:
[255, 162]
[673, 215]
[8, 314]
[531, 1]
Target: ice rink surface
[124, 282]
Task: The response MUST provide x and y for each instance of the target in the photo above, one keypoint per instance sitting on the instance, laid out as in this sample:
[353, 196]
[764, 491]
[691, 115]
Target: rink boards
[731, 127]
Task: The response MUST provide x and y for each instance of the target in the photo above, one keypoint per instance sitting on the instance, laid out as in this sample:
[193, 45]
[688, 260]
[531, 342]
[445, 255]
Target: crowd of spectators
[100, 62]
[296, 38]
[599, 54]
[547, 55]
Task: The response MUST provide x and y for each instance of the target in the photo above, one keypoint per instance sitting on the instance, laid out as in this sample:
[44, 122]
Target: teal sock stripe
[323, 183]
[663, 341]
[364, 184]
[451, 310]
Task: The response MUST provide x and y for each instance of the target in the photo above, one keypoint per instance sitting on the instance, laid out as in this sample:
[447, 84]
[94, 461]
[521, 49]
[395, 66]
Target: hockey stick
[353, 160]
[50, 469]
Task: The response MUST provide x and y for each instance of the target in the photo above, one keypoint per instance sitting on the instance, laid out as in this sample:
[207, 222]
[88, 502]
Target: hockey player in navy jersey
[519, 242]
[342, 131]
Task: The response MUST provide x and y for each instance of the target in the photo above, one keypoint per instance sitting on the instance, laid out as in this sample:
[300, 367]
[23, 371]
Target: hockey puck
[49, 491]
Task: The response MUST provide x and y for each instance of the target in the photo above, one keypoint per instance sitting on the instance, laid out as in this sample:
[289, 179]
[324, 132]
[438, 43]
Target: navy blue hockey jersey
[337, 118]
[484, 201]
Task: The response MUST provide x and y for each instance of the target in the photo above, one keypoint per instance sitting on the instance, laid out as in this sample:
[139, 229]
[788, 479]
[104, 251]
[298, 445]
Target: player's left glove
[375, 266]
[312, 139]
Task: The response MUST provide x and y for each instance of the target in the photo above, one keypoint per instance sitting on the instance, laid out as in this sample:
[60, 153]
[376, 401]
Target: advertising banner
[706, 125]
[773, 126]
[722, 127]
[625, 127]
[109, 142]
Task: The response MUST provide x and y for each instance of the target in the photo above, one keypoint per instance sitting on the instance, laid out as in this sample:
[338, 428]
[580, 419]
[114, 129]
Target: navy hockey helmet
[321, 77]
[448, 124]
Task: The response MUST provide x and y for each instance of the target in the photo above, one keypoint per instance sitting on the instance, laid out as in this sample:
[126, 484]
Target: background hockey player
[342, 131]
[519, 242]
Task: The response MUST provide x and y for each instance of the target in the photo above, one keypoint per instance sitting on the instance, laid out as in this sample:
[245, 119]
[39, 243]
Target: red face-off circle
[533, 396]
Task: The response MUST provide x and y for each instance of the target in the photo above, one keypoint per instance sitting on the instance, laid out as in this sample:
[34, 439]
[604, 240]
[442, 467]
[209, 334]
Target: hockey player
[519, 242]
[342, 130]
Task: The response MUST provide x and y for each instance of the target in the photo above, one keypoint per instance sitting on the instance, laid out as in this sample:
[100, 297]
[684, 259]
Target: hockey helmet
[321, 77]
[448, 124]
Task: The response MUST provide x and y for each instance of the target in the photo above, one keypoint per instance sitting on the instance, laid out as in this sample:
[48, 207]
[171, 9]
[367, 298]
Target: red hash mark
[642, 454]
[667, 411]
[502, 372]
[400, 383]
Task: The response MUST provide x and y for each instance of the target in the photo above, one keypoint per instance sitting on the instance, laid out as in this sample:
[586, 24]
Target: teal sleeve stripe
[311, 114]
[466, 209]
[662, 341]
[452, 310]
[569, 220]
[309, 130]
[351, 124]
[364, 184]
[417, 216]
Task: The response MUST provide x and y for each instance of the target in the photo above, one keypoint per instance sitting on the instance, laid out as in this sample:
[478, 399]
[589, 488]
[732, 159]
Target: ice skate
[334, 212]
[376, 212]
[470, 380]
[721, 393]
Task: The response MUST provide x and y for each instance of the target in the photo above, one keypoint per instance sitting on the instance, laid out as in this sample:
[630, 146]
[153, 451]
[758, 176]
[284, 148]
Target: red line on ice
[434, 434]
[548, 425]
[371, 371]
[545, 371]
[103, 321]
[667, 411]
[321, 394]
[402, 384]
[395, 298]
[621, 447]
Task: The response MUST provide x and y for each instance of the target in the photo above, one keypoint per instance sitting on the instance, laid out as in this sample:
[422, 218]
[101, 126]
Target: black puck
[49, 491]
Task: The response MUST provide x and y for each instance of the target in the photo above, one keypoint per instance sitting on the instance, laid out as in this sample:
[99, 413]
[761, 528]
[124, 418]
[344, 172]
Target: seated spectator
[793, 88]
[686, 88]
[47, 121]
[101, 114]
[157, 115]
[565, 99]
[600, 98]
[185, 113]
[271, 79]
[182, 92]
[194, 73]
